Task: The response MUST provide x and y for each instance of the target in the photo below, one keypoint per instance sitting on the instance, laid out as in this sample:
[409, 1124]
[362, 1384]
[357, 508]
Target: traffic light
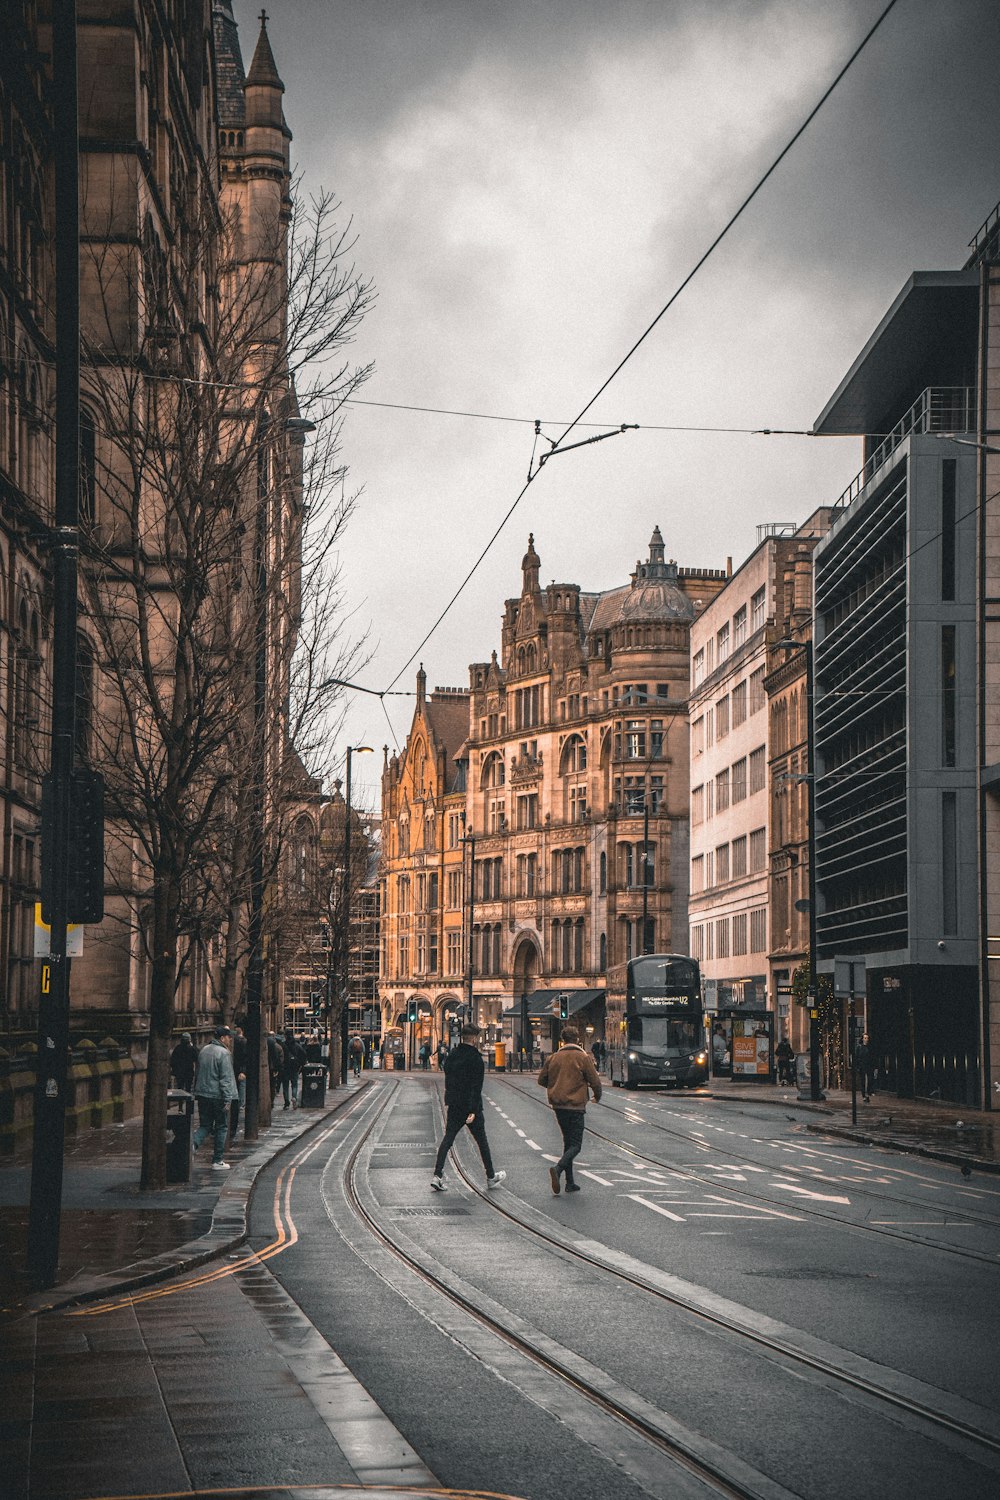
[411, 1011]
[85, 894]
[563, 1006]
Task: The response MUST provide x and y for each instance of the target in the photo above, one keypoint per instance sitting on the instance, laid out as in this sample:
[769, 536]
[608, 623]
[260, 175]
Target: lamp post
[470, 839]
[346, 913]
[815, 1092]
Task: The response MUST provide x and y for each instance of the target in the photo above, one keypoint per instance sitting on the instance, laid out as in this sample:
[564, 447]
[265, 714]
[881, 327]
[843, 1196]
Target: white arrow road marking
[792, 1187]
[592, 1175]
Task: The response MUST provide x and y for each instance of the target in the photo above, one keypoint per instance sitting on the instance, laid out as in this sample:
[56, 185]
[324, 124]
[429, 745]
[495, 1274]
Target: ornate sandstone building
[571, 765]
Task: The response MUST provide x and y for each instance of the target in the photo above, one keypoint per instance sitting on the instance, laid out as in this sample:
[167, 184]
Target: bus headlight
[702, 1057]
[633, 1057]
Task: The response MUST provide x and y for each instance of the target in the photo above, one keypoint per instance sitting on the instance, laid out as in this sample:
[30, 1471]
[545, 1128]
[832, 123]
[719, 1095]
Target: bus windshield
[660, 1032]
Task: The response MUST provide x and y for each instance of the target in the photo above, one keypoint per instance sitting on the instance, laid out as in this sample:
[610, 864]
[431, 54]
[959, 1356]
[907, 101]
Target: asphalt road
[793, 1311]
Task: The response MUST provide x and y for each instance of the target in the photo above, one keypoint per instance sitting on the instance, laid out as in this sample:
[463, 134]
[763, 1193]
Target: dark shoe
[572, 1187]
[554, 1179]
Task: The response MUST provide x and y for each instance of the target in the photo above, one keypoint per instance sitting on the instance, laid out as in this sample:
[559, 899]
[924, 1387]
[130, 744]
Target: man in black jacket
[463, 1102]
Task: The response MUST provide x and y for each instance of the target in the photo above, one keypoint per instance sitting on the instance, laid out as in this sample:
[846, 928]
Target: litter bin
[313, 1086]
[180, 1108]
[398, 1062]
[501, 1057]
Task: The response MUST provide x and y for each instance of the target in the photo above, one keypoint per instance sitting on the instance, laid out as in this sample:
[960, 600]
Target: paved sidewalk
[115, 1236]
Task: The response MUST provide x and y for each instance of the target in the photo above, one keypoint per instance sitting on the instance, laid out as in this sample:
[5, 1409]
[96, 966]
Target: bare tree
[210, 548]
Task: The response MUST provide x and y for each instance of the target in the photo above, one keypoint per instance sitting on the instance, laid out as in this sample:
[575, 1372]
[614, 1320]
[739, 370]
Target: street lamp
[470, 839]
[346, 915]
[815, 1092]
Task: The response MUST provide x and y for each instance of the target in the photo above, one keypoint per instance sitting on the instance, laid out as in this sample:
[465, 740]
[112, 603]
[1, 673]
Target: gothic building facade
[176, 143]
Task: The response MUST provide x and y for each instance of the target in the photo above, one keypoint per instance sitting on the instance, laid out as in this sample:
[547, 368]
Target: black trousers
[571, 1125]
[453, 1124]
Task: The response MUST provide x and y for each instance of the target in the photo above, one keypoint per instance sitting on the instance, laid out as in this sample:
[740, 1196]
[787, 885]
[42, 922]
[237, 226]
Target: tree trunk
[166, 904]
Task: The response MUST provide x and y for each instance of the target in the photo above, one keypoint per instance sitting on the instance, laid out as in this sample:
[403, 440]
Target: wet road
[765, 1245]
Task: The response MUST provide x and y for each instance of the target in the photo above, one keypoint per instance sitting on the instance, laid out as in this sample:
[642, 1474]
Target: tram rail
[951, 1425]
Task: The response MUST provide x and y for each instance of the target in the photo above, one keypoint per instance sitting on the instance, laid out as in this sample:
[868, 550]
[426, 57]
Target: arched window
[604, 872]
[603, 960]
[494, 772]
[302, 855]
[574, 755]
[578, 946]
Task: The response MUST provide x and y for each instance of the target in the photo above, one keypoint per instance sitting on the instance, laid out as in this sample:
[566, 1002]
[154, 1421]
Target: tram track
[645, 1424]
[736, 1190]
[936, 1411]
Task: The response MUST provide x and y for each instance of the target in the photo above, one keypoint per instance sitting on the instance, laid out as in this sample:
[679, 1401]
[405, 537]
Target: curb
[228, 1230]
[908, 1148]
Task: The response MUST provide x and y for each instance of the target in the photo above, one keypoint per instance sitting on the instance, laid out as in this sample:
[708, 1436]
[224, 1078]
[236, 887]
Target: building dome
[654, 596]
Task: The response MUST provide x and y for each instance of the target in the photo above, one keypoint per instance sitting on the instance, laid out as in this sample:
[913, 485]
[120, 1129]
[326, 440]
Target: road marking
[793, 1187]
[656, 1207]
[926, 1223]
[584, 1173]
[533, 1144]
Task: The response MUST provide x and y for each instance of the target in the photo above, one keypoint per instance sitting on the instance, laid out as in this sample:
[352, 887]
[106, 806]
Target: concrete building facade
[731, 812]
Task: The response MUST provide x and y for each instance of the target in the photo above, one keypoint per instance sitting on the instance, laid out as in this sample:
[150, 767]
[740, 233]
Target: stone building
[731, 830]
[571, 765]
[423, 873]
[175, 142]
[788, 857]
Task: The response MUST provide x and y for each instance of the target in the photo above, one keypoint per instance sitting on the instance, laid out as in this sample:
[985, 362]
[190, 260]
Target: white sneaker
[220, 1166]
[496, 1179]
[438, 1184]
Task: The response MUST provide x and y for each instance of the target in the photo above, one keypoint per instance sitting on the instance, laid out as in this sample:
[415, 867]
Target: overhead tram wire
[488, 416]
[578, 419]
[732, 220]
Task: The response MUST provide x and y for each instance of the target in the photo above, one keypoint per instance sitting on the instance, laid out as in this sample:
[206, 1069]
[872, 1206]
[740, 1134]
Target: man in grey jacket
[215, 1089]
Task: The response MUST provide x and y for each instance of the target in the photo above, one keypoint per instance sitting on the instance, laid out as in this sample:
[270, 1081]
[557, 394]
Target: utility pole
[470, 840]
[345, 1004]
[45, 1209]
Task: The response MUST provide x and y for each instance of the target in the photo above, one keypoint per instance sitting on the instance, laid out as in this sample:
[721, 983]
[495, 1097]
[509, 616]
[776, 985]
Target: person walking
[785, 1058]
[865, 1070]
[215, 1089]
[569, 1076]
[425, 1055]
[294, 1058]
[275, 1063]
[357, 1052]
[184, 1062]
[463, 1102]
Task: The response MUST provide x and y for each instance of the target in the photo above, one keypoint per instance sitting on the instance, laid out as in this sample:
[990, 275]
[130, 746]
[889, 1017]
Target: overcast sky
[529, 180]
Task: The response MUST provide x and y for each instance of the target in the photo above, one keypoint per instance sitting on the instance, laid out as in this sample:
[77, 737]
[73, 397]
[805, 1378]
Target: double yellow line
[286, 1235]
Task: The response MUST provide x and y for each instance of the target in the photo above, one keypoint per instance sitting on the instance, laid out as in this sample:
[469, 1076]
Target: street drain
[444, 1211]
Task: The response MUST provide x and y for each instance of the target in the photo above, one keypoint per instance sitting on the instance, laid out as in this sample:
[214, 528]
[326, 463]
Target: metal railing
[984, 242]
[936, 409]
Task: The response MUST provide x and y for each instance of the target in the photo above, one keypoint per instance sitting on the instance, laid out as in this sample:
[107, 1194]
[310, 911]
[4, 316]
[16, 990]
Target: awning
[546, 1003]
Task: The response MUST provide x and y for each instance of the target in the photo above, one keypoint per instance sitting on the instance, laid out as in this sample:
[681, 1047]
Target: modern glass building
[895, 691]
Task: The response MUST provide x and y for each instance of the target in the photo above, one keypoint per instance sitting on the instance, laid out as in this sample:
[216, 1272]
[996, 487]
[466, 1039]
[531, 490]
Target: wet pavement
[112, 1232]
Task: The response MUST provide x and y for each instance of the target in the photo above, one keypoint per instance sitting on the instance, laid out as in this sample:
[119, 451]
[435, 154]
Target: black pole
[45, 1208]
[815, 1092]
[853, 1043]
[255, 933]
[471, 841]
[524, 1030]
[645, 868]
[345, 998]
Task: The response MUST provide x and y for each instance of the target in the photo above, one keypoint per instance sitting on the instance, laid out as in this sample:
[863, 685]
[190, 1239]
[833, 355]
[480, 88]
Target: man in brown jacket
[568, 1075]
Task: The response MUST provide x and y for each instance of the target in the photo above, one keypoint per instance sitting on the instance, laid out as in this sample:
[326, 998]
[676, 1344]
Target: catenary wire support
[583, 443]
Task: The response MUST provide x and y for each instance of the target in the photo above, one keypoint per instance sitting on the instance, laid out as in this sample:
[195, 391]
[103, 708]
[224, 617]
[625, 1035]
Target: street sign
[849, 978]
[74, 936]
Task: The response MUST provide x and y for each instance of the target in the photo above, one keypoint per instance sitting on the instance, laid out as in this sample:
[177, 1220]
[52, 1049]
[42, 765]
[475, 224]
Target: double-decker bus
[655, 1023]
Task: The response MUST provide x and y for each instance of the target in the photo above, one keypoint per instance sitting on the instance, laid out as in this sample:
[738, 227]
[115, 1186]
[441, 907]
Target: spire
[264, 70]
[421, 686]
[530, 564]
[656, 546]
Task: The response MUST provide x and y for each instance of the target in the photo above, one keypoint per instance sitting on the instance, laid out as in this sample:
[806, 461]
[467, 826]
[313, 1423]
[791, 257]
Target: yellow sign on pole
[74, 936]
